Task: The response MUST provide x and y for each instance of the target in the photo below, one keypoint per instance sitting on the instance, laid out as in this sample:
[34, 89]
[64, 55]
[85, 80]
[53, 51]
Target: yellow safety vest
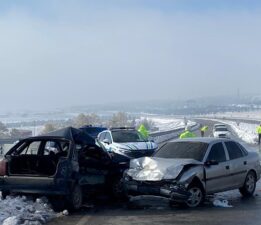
[258, 130]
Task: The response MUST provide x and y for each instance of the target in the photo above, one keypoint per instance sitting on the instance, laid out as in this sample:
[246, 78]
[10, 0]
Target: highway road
[150, 211]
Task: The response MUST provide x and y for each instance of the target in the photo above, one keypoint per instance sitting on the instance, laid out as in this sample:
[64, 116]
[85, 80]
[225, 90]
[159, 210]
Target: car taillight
[2, 167]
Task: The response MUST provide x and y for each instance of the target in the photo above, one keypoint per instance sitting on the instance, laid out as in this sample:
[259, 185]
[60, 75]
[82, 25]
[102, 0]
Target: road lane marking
[83, 220]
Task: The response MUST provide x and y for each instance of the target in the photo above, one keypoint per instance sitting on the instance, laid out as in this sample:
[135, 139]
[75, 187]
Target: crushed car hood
[156, 169]
[137, 145]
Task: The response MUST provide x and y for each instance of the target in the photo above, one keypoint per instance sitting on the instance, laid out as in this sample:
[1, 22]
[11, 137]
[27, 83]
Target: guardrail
[160, 137]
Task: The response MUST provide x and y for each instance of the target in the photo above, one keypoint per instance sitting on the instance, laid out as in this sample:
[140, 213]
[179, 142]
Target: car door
[23, 169]
[94, 165]
[217, 176]
[237, 162]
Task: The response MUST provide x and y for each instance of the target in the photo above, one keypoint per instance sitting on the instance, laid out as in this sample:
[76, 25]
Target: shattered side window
[58, 148]
[31, 149]
[183, 150]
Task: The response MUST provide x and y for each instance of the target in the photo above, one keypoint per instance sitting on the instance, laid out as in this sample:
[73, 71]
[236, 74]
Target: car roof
[92, 127]
[207, 140]
[219, 124]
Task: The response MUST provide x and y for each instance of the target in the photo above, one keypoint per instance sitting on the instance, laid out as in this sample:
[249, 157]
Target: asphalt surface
[143, 211]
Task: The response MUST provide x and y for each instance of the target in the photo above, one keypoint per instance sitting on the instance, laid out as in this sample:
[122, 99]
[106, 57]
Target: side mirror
[106, 141]
[211, 163]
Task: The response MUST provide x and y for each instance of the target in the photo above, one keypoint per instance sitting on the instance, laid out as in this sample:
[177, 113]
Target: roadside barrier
[160, 137]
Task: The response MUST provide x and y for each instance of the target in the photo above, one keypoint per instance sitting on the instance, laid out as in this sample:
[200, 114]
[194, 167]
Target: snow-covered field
[167, 123]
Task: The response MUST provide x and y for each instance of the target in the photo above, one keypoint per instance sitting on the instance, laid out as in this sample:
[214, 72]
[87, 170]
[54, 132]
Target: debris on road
[221, 203]
[65, 212]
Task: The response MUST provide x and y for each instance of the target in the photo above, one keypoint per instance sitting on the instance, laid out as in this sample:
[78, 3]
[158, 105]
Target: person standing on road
[143, 131]
[187, 134]
[258, 130]
[203, 130]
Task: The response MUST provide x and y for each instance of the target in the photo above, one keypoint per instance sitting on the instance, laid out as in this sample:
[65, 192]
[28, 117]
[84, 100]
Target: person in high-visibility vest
[144, 132]
[203, 130]
[258, 130]
[187, 134]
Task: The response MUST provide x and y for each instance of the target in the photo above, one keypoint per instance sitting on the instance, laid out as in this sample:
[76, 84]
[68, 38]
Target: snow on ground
[20, 210]
[167, 123]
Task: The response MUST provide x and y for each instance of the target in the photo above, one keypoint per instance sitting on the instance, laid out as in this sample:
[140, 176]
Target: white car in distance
[221, 132]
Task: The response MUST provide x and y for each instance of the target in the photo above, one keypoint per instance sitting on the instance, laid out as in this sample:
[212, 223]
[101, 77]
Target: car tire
[249, 185]
[197, 195]
[75, 198]
[58, 203]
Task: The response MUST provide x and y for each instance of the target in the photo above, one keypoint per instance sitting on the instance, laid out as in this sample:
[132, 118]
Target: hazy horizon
[66, 53]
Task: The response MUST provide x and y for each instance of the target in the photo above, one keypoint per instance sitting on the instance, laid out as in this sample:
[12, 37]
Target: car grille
[222, 135]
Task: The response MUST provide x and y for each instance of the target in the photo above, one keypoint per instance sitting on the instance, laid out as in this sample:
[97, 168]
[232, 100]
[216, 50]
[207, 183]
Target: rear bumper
[177, 193]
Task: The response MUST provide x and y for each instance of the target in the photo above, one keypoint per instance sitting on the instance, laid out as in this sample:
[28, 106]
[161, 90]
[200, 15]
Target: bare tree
[148, 123]
[48, 128]
[15, 133]
[119, 119]
[86, 119]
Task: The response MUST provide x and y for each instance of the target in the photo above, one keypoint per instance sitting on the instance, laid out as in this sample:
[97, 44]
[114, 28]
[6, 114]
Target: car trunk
[35, 165]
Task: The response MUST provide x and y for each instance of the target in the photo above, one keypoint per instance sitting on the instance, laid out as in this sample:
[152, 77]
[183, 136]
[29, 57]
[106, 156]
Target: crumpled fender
[190, 172]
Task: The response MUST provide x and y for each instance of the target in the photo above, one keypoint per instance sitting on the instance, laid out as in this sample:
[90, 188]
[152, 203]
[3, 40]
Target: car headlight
[122, 150]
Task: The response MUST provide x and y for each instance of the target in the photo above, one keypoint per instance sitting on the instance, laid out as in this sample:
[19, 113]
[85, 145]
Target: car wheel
[249, 186]
[58, 203]
[197, 196]
[75, 198]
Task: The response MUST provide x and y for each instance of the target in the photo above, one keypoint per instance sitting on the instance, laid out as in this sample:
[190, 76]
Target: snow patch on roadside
[17, 210]
[245, 131]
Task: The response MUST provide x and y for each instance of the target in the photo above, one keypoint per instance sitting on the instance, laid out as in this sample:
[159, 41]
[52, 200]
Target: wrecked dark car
[185, 171]
[66, 165]
[93, 131]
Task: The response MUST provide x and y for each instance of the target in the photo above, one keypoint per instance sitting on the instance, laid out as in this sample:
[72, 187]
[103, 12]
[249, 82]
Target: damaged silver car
[187, 170]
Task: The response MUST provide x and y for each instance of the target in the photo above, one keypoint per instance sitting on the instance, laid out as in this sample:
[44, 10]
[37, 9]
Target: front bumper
[174, 192]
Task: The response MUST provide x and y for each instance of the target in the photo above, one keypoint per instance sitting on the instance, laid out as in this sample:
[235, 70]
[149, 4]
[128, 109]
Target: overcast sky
[56, 53]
